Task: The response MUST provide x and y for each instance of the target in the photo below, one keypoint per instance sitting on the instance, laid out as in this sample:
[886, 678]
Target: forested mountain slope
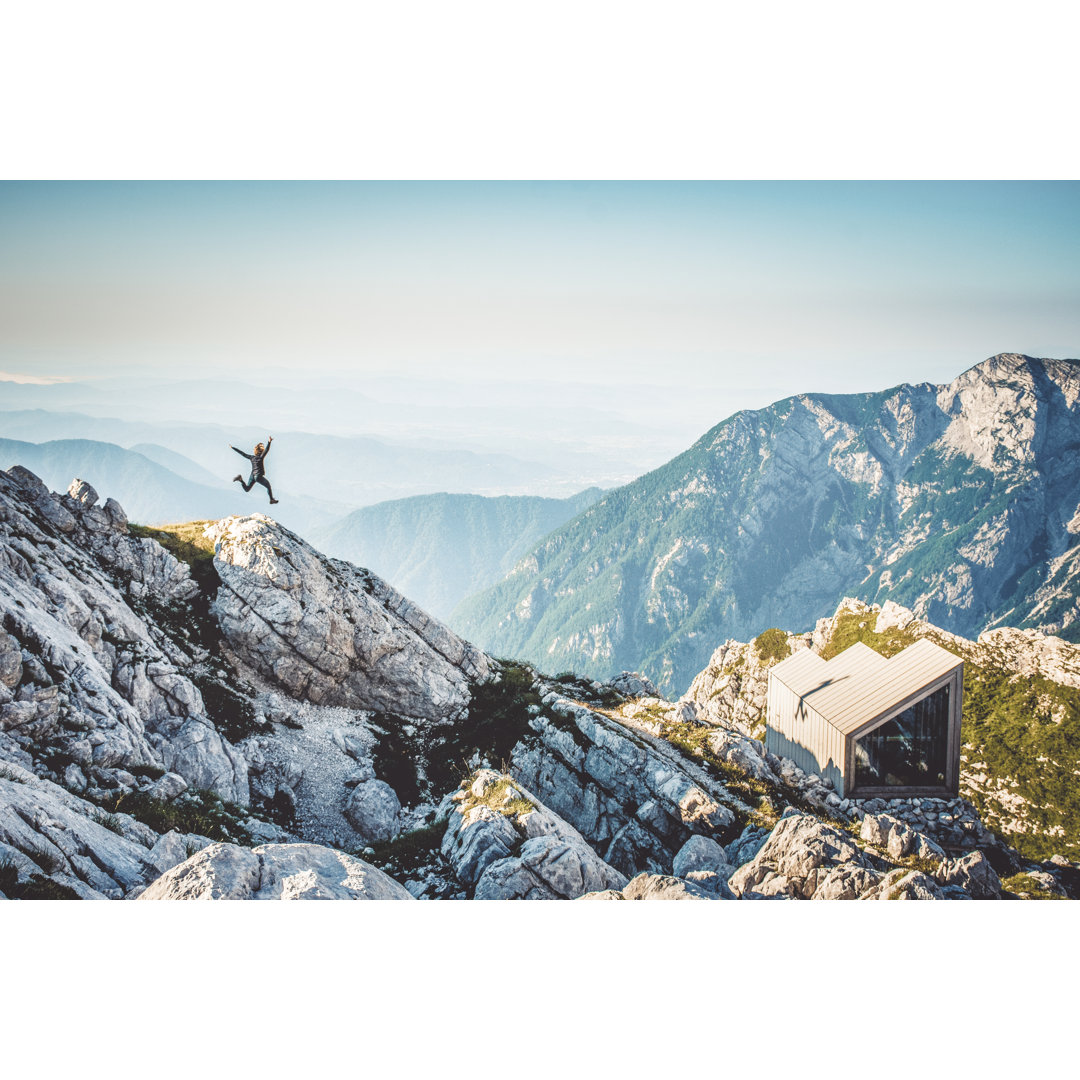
[961, 502]
[441, 548]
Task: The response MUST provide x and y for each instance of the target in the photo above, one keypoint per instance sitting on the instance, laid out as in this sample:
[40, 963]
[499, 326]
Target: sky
[745, 291]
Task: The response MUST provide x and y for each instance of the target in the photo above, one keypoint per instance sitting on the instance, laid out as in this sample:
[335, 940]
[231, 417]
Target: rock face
[904, 885]
[632, 796]
[95, 679]
[801, 857]
[274, 872]
[732, 688]
[898, 838]
[653, 887]
[774, 515]
[547, 868]
[634, 684]
[974, 874]
[508, 844]
[47, 831]
[330, 633]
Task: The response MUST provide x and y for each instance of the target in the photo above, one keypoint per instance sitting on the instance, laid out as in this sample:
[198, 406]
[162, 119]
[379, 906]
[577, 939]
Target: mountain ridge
[442, 547]
[929, 495]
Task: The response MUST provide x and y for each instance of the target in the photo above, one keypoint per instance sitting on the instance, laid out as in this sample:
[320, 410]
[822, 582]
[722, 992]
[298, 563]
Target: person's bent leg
[266, 484]
[250, 483]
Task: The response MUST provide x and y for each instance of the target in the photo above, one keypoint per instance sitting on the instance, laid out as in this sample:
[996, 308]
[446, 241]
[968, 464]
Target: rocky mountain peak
[331, 633]
[961, 502]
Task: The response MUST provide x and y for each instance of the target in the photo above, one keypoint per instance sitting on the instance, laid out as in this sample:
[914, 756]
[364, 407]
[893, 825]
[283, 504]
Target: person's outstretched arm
[241, 453]
[269, 440]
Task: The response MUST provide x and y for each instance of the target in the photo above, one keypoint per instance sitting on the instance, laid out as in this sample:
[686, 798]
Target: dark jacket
[257, 468]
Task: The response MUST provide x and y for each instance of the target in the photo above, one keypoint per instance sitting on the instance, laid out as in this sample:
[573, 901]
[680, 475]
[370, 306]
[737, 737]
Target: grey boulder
[274, 872]
[374, 811]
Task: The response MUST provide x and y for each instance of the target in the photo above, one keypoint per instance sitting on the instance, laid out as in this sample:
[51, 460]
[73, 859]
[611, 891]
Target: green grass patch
[184, 540]
[48, 862]
[421, 760]
[855, 626]
[498, 797]
[760, 797]
[232, 713]
[499, 714]
[9, 875]
[1028, 887]
[580, 687]
[772, 644]
[108, 821]
[195, 811]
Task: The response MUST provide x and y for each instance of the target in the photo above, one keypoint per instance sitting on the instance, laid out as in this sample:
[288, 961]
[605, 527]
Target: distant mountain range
[563, 437]
[347, 472]
[150, 493]
[961, 502]
[440, 548]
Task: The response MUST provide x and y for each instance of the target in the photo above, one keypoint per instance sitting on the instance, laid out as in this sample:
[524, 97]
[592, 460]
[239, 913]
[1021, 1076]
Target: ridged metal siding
[859, 685]
[797, 731]
[816, 708]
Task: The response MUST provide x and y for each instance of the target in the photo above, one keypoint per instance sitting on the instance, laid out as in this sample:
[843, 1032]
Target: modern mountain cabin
[875, 727]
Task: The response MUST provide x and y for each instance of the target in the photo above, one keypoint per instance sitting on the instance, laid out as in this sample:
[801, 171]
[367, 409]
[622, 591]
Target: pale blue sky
[755, 290]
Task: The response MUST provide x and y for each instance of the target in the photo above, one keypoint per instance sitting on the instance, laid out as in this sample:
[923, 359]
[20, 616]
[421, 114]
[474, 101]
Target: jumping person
[258, 473]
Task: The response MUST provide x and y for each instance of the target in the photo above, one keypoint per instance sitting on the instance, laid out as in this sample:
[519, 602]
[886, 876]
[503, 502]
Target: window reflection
[910, 750]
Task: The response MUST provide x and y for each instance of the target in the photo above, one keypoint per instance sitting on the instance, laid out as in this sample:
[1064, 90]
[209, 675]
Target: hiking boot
[237, 477]
[273, 500]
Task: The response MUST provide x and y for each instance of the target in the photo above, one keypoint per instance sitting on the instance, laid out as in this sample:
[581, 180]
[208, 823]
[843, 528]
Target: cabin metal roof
[859, 685]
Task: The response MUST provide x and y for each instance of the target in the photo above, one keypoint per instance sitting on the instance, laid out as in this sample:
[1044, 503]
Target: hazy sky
[757, 289]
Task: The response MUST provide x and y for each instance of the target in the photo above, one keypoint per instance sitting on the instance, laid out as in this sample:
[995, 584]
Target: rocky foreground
[257, 721]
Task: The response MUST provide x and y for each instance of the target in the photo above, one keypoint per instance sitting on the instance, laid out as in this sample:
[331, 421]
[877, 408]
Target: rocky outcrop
[99, 683]
[631, 795]
[897, 838]
[903, 884]
[508, 844]
[633, 684]
[731, 689]
[331, 633]
[704, 862]
[274, 872]
[797, 860]
[653, 887]
[49, 832]
[972, 873]
[547, 868]
[174, 847]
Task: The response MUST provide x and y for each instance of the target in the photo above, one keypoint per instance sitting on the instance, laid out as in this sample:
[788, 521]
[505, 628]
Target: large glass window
[910, 750]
